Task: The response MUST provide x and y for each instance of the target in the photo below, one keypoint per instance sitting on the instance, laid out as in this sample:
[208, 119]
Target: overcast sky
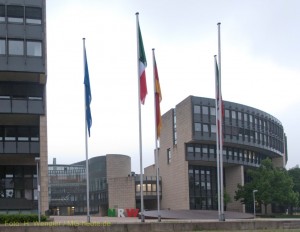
[260, 42]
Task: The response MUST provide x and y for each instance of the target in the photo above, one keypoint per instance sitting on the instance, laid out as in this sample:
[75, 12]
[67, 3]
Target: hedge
[20, 218]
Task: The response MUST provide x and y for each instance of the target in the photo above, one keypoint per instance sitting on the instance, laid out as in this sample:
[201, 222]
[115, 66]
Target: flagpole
[221, 126]
[156, 139]
[140, 123]
[217, 139]
[86, 149]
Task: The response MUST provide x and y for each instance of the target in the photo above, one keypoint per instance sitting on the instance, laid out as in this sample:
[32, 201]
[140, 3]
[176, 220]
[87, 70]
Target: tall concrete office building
[23, 116]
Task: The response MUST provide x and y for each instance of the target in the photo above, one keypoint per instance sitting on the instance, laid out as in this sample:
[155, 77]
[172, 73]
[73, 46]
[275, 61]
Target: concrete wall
[44, 164]
[117, 165]
[121, 187]
[175, 174]
[150, 170]
[121, 192]
[155, 226]
[234, 176]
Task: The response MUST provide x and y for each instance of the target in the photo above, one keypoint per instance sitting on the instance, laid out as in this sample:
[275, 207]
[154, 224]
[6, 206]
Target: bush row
[20, 218]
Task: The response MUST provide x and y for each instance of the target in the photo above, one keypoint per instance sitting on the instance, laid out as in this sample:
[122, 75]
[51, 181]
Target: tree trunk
[266, 208]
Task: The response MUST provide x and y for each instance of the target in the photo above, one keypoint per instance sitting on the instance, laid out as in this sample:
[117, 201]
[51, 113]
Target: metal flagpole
[86, 150]
[156, 140]
[217, 139]
[140, 122]
[221, 126]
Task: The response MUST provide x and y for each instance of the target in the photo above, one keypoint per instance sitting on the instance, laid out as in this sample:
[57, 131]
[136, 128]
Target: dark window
[212, 111]
[205, 127]
[239, 116]
[16, 47]
[34, 134]
[33, 15]
[213, 128]
[205, 110]
[2, 13]
[15, 14]
[2, 47]
[204, 150]
[1, 133]
[23, 134]
[245, 118]
[34, 48]
[212, 151]
[196, 109]
[202, 187]
[169, 156]
[197, 126]
[227, 114]
[233, 114]
[10, 134]
[174, 127]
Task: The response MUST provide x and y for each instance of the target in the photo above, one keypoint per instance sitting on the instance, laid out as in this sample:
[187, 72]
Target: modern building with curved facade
[187, 153]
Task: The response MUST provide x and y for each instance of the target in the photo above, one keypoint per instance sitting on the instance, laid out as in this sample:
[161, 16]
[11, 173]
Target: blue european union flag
[88, 95]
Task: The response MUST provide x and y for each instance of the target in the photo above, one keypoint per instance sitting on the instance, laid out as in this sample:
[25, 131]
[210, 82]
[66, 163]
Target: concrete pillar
[234, 175]
[44, 165]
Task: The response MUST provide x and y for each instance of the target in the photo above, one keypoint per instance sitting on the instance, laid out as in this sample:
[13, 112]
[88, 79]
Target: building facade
[112, 186]
[188, 148]
[23, 116]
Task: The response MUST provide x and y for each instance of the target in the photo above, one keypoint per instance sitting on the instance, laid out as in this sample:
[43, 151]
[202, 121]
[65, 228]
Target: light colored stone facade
[234, 175]
[150, 170]
[121, 185]
[121, 192]
[117, 165]
[44, 164]
[174, 173]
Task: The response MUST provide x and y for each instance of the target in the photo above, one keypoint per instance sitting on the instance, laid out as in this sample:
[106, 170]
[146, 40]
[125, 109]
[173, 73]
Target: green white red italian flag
[142, 67]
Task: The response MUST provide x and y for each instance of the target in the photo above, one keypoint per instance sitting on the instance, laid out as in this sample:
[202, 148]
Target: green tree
[274, 185]
[283, 188]
[294, 173]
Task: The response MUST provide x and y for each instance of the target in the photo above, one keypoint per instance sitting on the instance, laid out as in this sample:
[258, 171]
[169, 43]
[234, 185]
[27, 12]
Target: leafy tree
[274, 185]
[294, 173]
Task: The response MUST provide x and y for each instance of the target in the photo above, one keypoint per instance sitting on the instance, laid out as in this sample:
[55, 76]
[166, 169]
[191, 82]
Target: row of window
[202, 187]
[18, 182]
[146, 188]
[98, 184]
[13, 133]
[204, 127]
[17, 47]
[20, 14]
[75, 195]
[246, 119]
[229, 153]
[241, 134]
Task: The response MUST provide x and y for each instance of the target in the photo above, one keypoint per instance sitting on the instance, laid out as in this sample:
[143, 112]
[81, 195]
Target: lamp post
[37, 160]
[254, 210]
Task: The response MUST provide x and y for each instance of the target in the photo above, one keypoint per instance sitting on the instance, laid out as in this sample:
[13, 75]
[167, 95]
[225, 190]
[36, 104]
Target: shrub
[20, 218]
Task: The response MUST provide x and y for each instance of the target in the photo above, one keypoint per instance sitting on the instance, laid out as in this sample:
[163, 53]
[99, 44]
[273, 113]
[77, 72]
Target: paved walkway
[151, 216]
[196, 214]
